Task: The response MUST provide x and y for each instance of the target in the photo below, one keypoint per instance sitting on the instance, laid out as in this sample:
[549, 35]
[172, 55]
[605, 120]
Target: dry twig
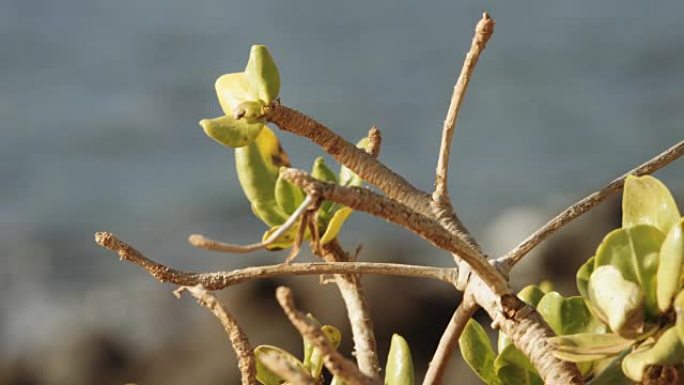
[336, 363]
[285, 369]
[514, 256]
[238, 338]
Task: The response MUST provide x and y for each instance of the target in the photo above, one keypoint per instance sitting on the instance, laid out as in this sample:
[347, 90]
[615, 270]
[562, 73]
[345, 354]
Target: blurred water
[99, 103]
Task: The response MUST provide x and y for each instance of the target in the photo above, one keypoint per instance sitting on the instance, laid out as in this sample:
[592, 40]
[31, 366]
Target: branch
[514, 256]
[465, 310]
[361, 163]
[375, 139]
[333, 360]
[202, 242]
[285, 369]
[483, 31]
[362, 199]
[238, 338]
[222, 279]
[357, 311]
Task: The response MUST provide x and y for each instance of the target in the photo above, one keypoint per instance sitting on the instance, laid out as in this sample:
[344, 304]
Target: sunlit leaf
[264, 374]
[333, 335]
[617, 301]
[478, 353]
[591, 343]
[288, 196]
[335, 224]
[668, 350]
[568, 315]
[583, 274]
[262, 73]
[679, 311]
[399, 370]
[634, 252]
[347, 177]
[647, 201]
[233, 89]
[669, 276]
[514, 368]
[308, 346]
[231, 132]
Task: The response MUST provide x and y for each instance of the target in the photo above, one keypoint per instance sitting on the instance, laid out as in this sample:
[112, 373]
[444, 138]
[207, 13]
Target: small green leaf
[591, 343]
[335, 224]
[308, 346]
[321, 172]
[285, 241]
[669, 276]
[333, 335]
[264, 374]
[668, 350]
[231, 132]
[262, 73]
[399, 370]
[583, 275]
[257, 166]
[647, 201]
[568, 315]
[634, 252]
[233, 89]
[478, 353]
[612, 373]
[514, 368]
[288, 196]
[347, 177]
[617, 301]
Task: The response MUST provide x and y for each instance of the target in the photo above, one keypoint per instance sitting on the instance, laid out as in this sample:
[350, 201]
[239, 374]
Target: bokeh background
[100, 100]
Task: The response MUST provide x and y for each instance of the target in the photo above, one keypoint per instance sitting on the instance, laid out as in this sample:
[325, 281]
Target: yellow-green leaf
[335, 224]
[668, 350]
[514, 368]
[647, 201]
[617, 301]
[288, 196]
[231, 132]
[284, 241]
[308, 346]
[634, 252]
[591, 343]
[679, 311]
[265, 375]
[568, 315]
[347, 177]
[333, 335]
[263, 74]
[399, 370]
[478, 353]
[671, 261]
[582, 278]
[233, 89]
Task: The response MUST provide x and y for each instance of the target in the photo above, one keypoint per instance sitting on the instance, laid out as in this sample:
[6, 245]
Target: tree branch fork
[429, 215]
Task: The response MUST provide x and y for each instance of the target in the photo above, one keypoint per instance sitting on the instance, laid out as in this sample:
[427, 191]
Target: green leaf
[231, 132]
[321, 172]
[308, 346]
[616, 301]
[335, 224]
[478, 353]
[634, 252]
[262, 73]
[668, 350]
[531, 295]
[347, 177]
[583, 274]
[333, 335]
[591, 343]
[568, 315]
[399, 370]
[514, 368]
[679, 311]
[647, 201]
[264, 374]
[257, 166]
[234, 89]
[669, 276]
[612, 373]
[288, 196]
[285, 241]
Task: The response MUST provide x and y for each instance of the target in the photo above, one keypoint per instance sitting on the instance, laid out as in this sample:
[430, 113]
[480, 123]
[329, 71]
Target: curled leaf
[634, 252]
[335, 224]
[262, 73]
[233, 89]
[231, 132]
[399, 370]
[668, 350]
[267, 377]
[670, 266]
[647, 201]
[617, 301]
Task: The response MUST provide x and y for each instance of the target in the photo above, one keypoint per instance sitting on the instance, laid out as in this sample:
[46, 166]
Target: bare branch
[448, 341]
[365, 200]
[483, 31]
[222, 279]
[375, 139]
[336, 363]
[357, 311]
[238, 338]
[514, 256]
[202, 242]
[285, 369]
